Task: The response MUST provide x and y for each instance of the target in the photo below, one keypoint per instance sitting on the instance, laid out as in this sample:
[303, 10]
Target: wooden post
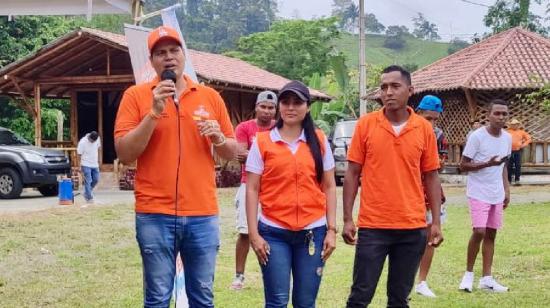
[108, 62]
[457, 153]
[74, 118]
[59, 126]
[100, 123]
[38, 119]
[362, 60]
[472, 105]
[27, 106]
[545, 153]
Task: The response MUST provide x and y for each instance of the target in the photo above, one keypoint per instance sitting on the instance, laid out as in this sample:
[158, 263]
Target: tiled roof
[219, 69]
[514, 59]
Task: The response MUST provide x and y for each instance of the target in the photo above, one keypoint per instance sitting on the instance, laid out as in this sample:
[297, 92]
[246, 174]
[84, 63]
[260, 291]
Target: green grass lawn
[416, 51]
[89, 258]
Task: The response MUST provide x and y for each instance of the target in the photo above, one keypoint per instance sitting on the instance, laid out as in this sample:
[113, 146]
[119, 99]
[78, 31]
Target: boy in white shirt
[485, 155]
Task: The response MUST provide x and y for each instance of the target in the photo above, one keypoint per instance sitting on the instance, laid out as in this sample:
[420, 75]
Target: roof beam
[24, 102]
[84, 64]
[65, 59]
[88, 79]
[107, 42]
[49, 92]
[108, 55]
[43, 55]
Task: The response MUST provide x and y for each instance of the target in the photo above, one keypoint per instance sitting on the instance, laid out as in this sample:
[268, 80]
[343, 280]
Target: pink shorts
[485, 215]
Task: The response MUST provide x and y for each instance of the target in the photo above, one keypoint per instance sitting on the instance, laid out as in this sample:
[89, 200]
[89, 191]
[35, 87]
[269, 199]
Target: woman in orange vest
[290, 172]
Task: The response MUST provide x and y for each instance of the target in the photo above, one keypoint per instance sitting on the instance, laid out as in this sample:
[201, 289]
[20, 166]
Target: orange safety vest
[289, 192]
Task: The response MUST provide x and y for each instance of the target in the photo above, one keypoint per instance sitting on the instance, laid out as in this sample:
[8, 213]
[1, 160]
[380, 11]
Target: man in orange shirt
[170, 126]
[520, 139]
[391, 151]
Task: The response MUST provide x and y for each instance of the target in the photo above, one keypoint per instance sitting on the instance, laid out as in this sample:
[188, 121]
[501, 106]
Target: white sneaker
[488, 283]
[423, 289]
[467, 283]
[238, 282]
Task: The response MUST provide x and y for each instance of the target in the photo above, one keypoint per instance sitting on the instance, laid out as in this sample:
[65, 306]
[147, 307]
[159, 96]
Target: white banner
[136, 37]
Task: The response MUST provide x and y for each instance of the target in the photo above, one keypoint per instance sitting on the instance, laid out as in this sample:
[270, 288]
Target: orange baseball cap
[162, 33]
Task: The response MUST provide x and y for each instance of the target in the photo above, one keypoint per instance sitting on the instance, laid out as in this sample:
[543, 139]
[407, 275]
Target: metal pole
[141, 18]
[362, 65]
[137, 11]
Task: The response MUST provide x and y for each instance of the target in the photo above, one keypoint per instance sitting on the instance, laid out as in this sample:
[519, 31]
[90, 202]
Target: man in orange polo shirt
[391, 150]
[520, 139]
[170, 127]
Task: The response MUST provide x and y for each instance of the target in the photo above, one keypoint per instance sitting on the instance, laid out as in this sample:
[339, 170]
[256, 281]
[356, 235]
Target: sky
[454, 18]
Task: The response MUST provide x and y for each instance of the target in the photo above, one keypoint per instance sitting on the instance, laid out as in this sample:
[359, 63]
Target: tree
[26, 34]
[342, 84]
[295, 49]
[410, 67]
[540, 96]
[424, 29]
[397, 31]
[373, 25]
[348, 14]
[456, 44]
[506, 14]
[395, 37]
[16, 119]
[217, 25]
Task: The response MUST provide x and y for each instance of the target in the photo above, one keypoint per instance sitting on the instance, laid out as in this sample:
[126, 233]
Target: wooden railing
[537, 154]
[65, 146]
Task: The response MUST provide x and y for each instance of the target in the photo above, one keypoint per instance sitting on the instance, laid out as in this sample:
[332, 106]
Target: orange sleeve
[357, 149]
[128, 115]
[430, 157]
[222, 116]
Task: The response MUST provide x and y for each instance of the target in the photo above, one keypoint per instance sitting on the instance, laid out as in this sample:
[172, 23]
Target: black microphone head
[168, 74]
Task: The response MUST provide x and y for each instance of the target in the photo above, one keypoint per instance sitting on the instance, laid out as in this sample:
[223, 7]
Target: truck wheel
[10, 184]
[48, 190]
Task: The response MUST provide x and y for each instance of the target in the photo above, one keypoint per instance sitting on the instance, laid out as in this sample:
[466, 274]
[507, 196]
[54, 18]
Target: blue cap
[431, 103]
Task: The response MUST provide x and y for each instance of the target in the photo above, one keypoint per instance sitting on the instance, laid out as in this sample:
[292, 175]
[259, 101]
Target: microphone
[170, 75]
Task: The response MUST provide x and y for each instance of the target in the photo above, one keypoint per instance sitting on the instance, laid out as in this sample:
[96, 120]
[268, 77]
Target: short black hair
[93, 135]
[496, 101]
[396, 68]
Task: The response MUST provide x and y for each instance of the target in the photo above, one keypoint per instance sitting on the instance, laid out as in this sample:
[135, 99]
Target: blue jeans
[289, 253]
[91, 177]
[196, 238]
